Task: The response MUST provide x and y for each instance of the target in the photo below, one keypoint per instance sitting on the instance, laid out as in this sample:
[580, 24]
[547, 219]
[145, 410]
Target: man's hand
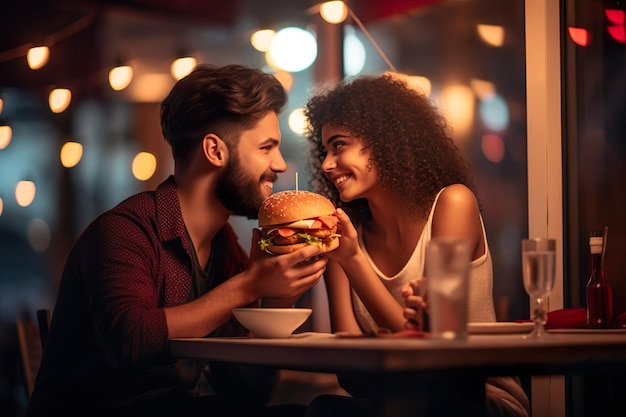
[281, 279]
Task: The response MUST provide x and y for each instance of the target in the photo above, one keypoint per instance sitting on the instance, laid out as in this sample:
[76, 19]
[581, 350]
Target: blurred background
[63, 162]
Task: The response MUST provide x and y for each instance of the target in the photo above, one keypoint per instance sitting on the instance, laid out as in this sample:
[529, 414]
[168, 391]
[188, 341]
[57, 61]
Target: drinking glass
[538, 267]
[446, 270]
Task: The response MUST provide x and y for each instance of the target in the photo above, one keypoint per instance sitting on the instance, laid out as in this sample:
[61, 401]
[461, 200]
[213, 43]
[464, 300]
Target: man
[166, 264]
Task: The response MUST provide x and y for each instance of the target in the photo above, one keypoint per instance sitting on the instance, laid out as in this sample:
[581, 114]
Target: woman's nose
[328, 163]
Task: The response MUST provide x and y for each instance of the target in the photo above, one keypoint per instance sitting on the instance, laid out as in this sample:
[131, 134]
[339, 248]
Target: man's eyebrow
[270, 141]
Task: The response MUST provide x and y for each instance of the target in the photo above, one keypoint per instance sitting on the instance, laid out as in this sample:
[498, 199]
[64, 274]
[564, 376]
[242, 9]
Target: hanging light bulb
[120, 77]
[59, 99]
[37, 57]
[334, 11]
[182, 66]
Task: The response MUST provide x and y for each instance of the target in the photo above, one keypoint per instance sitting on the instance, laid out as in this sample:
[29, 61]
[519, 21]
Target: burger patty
[277, 239]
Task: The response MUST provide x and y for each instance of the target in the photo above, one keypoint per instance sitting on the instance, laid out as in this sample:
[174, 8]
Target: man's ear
[215, 150]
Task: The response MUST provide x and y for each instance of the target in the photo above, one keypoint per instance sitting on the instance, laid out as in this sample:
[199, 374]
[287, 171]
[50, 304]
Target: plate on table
[499, 327]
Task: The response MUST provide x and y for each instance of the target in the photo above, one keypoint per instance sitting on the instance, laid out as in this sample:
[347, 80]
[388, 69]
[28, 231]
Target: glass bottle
[599, 293]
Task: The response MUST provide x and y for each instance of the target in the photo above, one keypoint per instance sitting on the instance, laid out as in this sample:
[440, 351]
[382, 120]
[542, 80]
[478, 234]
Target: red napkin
[575, 317]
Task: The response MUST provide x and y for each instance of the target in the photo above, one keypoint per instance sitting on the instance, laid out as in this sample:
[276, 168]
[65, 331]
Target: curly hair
[405, 133]
[222, 100]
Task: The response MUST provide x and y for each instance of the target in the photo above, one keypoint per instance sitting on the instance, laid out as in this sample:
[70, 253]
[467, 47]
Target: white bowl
[271, 322]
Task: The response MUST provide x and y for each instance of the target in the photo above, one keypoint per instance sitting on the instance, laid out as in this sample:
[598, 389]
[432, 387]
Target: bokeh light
[37, 57]
[297, 121]
[458, 106]
[354, 52]
[25, 193]
[59, 99]
[492, 147]
[333, 11]
[292, 49]
[71, 153]
[39, 235]
[5, 136]
[181, 67]
[579, 36]
[262, 39]
[120, 77]
[144, 166]
[494, 113]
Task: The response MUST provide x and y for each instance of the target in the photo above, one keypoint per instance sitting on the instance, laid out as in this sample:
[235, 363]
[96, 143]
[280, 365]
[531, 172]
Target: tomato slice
[329, 221]
[286, 231]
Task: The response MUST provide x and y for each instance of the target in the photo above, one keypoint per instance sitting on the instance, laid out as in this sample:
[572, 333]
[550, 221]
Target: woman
[382, 154]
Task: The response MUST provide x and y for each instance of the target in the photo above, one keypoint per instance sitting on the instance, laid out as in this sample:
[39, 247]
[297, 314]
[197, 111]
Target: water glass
[446, 271]
[539, 270]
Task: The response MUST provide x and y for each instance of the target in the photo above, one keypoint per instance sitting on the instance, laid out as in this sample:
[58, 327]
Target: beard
[239, 191]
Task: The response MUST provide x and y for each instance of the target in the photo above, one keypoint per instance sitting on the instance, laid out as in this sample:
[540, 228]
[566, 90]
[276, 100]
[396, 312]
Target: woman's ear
[215, 150]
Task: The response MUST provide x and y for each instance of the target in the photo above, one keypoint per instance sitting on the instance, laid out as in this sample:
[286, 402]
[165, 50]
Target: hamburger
[292, 219]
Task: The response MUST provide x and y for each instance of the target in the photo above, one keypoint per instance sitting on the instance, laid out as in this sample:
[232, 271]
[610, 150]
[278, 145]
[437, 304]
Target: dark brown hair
[405, 133]
[222, 100]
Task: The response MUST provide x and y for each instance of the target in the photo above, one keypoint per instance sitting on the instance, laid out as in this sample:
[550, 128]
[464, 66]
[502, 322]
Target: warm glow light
[297, 121]
[261, 39]
[1, 105]
[144, 166]
[39, 234]
[416, 82]
[120, 77]
[618, 33]
[292, 49]
[181, 67]
[150, 88]
[617, 17]
[37, 57]
[493, 147]
[1, 206]
[482, 89]
[25, 193]
[5, 136]
[59, 99]
[491, 34]
[71, 153]
[579, 36]
[334, 11]
[457, 104]
[285, 79]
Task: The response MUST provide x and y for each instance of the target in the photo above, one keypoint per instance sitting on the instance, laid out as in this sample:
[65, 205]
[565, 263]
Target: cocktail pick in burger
[290, 220]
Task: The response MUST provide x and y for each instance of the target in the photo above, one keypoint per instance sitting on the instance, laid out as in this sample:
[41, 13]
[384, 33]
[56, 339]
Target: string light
[334, 11]
[71, 154]
[120, 77]
[37, 57]
[5, 136]
[59, 99]
[181, 67]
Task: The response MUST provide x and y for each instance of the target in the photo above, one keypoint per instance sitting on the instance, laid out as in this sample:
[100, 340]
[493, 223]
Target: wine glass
[538, 267]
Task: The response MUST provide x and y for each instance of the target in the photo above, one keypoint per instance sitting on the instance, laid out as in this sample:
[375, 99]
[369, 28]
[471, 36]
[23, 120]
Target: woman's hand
[414, 293]
[348, 242]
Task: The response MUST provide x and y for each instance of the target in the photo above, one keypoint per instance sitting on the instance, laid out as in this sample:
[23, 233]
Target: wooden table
[412, 374]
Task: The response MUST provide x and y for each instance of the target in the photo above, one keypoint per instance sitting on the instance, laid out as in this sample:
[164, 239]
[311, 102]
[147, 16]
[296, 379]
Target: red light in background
[493, 147]
[618, 33]
[617, 17]
[579, 36]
